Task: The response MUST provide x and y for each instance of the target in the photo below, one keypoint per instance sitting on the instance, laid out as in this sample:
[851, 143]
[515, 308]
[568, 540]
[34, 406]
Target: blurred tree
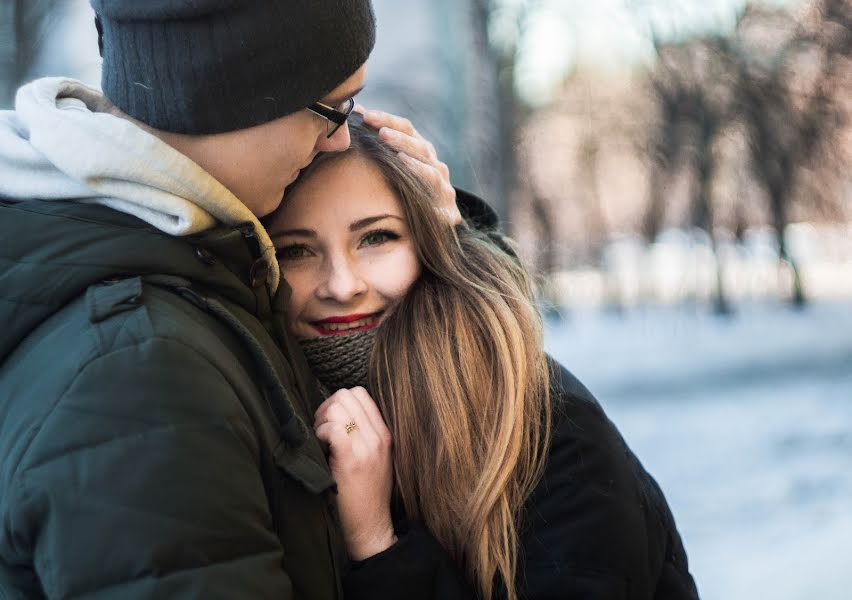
[514, 18]
[792, 77]
[781, 79]
[23, 24]
[692, 88]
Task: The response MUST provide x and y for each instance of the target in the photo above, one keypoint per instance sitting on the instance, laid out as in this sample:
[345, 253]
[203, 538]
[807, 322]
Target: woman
[505, 477]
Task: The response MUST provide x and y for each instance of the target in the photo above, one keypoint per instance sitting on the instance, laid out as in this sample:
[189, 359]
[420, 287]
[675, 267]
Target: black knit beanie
[208, 66]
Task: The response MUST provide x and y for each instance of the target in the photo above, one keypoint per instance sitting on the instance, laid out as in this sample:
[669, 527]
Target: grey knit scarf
[340, 361]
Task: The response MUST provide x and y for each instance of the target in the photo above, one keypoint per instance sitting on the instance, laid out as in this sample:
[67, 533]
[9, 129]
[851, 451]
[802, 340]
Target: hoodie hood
[59, 145]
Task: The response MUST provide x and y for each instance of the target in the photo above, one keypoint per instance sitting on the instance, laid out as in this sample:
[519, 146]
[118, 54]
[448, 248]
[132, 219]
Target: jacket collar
[53, 251]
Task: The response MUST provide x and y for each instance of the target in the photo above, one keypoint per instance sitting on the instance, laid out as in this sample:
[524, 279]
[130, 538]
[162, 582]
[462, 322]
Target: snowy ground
[747, 425]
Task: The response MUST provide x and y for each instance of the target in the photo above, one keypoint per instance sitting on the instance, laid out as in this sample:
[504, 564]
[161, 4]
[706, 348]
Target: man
[153, 438]
[154, 414]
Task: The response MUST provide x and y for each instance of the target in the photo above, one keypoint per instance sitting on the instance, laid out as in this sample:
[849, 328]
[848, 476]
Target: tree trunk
[779, 199]
[703, 209]
[797, 299]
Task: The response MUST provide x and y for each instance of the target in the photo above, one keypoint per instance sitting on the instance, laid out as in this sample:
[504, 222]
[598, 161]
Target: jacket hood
[59, 145]
[53, 251]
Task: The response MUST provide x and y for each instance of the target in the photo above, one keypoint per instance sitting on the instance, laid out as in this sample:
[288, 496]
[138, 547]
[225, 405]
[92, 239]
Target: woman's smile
[347, 323]
[345, 248]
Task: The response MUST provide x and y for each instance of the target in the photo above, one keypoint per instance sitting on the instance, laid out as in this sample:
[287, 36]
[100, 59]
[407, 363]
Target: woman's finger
[336, 412]
[334, 434]
[320, 414]
[324, 406]
[371, 410]
[356, 414]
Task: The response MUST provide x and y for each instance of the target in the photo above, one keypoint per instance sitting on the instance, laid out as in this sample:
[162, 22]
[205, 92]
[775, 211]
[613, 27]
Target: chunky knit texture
[340, 361]
[210, 66]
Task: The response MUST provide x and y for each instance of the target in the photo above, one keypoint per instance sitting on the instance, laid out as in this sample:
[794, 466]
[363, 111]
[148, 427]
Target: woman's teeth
[346, 326]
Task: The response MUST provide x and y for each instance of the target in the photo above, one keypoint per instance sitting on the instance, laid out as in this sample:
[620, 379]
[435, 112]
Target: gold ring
[350, 427]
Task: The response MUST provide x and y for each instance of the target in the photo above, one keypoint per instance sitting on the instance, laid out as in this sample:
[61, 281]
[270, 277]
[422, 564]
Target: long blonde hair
[459, 372]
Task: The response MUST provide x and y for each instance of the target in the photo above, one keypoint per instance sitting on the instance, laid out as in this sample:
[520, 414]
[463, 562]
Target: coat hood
[59, 145]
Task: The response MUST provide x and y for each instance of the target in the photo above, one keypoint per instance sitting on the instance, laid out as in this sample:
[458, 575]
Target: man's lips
[347, 323]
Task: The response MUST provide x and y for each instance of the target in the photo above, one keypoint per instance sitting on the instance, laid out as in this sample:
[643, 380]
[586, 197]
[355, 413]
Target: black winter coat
[596, 527]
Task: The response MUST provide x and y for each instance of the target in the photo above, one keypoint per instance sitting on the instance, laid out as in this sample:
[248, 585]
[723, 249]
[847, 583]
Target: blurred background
[679, 174]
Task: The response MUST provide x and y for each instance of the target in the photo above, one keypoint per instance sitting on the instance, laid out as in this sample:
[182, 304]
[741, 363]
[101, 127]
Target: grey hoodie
[58, 144]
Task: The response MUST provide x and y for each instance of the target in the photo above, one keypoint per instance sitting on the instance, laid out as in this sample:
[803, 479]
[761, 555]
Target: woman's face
[344, 248]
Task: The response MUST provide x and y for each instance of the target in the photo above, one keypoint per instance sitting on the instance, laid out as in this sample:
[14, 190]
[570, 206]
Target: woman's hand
[360, 459]
[419, 154]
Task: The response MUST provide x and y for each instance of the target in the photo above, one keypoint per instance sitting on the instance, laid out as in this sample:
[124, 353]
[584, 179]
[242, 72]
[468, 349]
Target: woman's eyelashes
[378, 237]
[299, 251]
[292, 252]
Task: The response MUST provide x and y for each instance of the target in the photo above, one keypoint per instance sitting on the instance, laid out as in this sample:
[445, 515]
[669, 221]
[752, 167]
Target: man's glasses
[336, 117]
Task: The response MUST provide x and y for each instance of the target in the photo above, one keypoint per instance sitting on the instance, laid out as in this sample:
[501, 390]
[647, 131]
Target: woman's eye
[375, 238]
[292, 252]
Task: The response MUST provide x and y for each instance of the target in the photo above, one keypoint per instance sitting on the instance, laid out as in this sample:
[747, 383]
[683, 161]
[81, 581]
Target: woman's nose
[342, 282]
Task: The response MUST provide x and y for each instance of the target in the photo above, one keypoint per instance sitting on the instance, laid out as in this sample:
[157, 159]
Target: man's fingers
[445, 193]
[416, 147]
[425, 171]
[378, 119]
[420, 155]
[433, 176]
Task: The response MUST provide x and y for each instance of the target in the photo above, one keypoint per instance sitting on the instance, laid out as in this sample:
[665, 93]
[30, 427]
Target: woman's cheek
[397, 274]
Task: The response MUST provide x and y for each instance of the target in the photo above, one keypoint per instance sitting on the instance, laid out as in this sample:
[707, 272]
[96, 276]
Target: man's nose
[336, 143]
[343, 281]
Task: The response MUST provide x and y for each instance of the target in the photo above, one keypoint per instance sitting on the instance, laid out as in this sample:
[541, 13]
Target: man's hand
[419, 154]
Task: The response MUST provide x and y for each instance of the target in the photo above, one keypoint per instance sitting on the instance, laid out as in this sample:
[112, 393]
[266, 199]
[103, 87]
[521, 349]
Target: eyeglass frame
[332, 115]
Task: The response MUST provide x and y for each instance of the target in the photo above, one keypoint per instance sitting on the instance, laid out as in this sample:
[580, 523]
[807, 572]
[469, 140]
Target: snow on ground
[747, 425]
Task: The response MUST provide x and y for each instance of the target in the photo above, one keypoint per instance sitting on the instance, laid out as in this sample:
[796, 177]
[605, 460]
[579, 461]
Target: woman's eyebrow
[361, 223]
[302, 232]
[354, 226]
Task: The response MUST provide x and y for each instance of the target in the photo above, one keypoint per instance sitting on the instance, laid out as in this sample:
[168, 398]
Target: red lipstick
[346, 323]
[345, 319]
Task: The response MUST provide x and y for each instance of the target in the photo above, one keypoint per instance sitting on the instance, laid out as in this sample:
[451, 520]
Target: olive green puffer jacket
[153, 438]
